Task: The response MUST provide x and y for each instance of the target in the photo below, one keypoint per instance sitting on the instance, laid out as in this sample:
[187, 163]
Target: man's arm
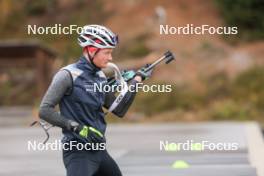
[125, 103]
[60, 85]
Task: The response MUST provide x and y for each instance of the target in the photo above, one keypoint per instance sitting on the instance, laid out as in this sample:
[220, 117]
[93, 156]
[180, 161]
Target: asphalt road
[138, 151]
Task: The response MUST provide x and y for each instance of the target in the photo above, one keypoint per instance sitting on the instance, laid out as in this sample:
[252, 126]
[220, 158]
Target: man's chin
[103, 66]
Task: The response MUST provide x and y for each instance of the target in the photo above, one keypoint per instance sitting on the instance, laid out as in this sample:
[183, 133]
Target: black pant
[90, 163]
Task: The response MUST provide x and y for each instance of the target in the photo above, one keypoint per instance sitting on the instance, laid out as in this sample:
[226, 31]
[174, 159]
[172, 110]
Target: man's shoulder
[73, 70]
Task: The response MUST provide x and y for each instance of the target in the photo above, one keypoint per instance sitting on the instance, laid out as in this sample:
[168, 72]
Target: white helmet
[97, 36]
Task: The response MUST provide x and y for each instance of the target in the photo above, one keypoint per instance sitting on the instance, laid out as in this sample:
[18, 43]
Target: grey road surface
[141, 150]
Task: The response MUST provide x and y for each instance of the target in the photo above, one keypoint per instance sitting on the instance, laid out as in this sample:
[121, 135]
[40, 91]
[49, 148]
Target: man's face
[102, 58]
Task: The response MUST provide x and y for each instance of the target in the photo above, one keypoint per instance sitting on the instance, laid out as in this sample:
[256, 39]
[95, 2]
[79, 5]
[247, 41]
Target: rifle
[130, 74]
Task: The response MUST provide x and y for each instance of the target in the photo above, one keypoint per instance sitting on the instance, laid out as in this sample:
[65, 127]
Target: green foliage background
[247, 15]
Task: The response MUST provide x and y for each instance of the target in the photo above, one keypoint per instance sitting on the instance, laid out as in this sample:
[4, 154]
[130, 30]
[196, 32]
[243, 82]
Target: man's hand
[87, 132]
[143, 74]
[138, 78]
[92, 133]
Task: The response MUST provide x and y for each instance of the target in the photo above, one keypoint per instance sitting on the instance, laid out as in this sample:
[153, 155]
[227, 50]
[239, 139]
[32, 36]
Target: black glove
[88, 132]
[143, 74]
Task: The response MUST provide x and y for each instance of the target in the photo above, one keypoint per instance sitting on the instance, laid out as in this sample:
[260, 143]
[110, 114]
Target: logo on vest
[89, 87]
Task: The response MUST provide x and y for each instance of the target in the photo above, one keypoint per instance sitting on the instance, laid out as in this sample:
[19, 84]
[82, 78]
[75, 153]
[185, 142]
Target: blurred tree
[247, 15]
[40, 7]
[5, 8]
[249, 87]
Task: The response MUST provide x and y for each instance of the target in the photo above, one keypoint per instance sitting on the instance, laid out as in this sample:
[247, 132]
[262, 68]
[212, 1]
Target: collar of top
[87, 65]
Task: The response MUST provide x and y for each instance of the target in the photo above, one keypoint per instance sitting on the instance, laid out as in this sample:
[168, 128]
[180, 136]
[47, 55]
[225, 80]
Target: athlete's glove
[88, 132]
[143, 74]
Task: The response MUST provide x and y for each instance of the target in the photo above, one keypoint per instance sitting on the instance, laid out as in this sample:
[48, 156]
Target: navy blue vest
[83, 104]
